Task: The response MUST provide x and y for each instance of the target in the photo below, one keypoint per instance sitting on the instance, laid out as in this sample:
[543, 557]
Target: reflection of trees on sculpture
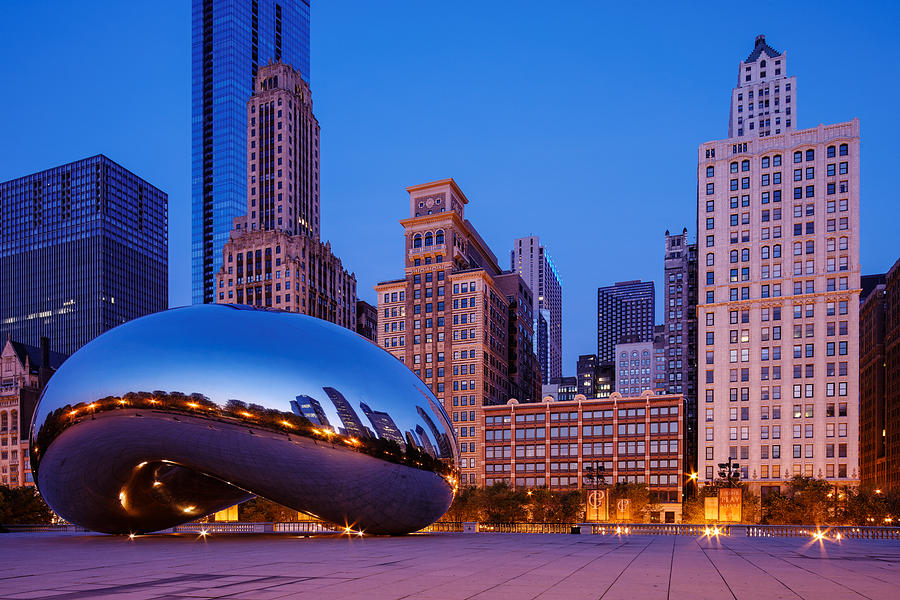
[234, 411]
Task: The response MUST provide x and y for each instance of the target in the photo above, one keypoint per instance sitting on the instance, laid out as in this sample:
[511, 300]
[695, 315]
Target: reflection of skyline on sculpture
[154, 424]
[182, 372]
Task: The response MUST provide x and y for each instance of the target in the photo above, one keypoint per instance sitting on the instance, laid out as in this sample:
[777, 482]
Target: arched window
[634, 353]
[843, 149]
[733, 256]
[428, 238]
[14, 420]
[733, 167]
[745, 254]
[762, 64]
[764, 252]
[745, 165]
[798, 156]
[3, 422]
[439, 237]
[645, 353]
[810, 154]
[417, 240]
[624, 355]
[776, 251]
[710, 259]
[830, 151]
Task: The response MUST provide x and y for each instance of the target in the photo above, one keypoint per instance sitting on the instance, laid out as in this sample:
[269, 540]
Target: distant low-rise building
[549, 444]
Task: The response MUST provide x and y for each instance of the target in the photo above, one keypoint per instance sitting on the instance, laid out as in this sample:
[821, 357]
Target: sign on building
[597, 506]
[623, 509]
[730, 505]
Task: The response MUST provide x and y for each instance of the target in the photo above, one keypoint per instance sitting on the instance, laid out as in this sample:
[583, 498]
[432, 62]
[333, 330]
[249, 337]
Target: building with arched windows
[24, 371]
[457, 320]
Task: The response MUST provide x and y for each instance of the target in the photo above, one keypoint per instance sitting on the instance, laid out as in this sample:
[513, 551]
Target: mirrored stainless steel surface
[185, 412]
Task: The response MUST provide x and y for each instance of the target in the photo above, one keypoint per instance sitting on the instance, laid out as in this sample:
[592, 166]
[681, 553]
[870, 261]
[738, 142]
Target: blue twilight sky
[575, 121]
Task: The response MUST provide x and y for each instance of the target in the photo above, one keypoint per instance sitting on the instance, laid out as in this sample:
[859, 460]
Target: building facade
[879, 384]
[83, 248]
[595, 380]
[638, 369]
[523, 367]
[367, 320]
[24, 370]
[448, 318]
[273, 256]
[635, 440]
[624, 309]
[532, 262]
[778, 308]
[764, 102]
[229, 41]
[680, 331]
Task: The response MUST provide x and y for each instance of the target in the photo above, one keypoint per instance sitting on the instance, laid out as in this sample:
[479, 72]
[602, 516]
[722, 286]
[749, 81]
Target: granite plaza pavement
[444, 566]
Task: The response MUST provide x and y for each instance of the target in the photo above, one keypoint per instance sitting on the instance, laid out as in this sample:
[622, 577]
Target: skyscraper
[779, 300]
[230, 39]
[879, 383]
[83, 248]
[532, 262]
[625, 309]
[273, 256]
[680, 331]
[772, 110]
[449, 318]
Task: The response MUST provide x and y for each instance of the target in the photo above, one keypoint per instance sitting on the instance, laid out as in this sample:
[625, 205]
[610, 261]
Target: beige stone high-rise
[778, 314]
[274, 257]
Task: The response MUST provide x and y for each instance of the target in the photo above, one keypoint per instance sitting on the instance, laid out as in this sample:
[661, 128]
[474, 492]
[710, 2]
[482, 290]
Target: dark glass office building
[230, 40]
[625, 309]
[83, 248]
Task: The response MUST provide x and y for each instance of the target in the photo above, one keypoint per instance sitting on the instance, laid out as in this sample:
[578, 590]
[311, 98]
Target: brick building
[879, 384]
[457, 320]
[636, 440]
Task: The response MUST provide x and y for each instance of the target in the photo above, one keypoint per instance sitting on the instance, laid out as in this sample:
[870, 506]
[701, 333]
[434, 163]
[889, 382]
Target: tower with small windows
[764, 102]
[274, 257]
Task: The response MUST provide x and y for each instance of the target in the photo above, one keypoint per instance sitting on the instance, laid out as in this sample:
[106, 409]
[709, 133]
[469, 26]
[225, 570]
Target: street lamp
[730, 473]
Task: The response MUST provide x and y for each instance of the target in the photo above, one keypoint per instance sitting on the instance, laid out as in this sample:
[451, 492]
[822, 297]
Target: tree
[502, 504]
[23, 506]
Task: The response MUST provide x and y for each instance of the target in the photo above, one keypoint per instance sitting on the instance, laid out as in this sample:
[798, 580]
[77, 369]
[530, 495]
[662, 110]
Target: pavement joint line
[584, 566]
[671, 568]
[625, 568]
[802, 568]
[714, 566]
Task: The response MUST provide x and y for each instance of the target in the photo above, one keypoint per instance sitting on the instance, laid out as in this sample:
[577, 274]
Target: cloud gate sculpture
[183, 413]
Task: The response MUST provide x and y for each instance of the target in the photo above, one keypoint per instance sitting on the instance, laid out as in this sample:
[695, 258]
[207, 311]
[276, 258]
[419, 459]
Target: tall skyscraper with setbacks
[273, 257]
[680, 332]
[83, 248]
[230, 40]
[532, 262]
[778, 314]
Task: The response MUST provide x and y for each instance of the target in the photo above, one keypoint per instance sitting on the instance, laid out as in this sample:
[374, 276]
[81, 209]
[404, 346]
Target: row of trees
[500, 503]
[804, 501]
